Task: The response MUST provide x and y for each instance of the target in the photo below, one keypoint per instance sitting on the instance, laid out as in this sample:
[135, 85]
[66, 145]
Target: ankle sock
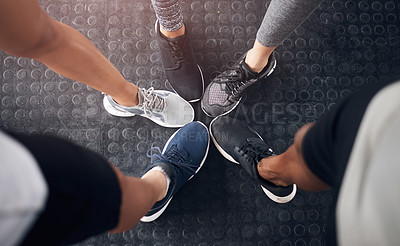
[158, 168]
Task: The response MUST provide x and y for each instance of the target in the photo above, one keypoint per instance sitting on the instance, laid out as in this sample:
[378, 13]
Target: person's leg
[257, 57]
[181, 70]
[290, 167]
[138, 196]
[170, 17]
[320, 151]
[82, 185]
[224, 92]
[181, 158]
[241, 144]
[318, 157]
[281, 19]
[27, 31]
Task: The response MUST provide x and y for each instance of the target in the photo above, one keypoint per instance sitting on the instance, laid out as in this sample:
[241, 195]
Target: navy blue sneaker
[241, 144]
[182, 157]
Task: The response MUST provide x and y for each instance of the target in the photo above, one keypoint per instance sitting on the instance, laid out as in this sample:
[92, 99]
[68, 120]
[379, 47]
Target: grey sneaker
[224, 92]
[162, 107]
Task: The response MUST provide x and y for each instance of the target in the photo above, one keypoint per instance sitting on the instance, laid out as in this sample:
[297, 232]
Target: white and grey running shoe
[162, 107]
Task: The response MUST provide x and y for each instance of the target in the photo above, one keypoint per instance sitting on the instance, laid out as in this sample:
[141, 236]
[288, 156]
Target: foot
[182, 157]
[224, 92]
[182, 72]
[240, 144]
[162, 107]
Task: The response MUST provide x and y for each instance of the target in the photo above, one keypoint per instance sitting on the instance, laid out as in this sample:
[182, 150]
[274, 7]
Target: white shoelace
[152, 101]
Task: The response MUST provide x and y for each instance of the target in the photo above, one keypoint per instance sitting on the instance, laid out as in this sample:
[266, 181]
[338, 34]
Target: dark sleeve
[328, 144]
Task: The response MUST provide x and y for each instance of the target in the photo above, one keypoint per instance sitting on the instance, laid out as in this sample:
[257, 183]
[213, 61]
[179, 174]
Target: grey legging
[282, 17]
[168, 13]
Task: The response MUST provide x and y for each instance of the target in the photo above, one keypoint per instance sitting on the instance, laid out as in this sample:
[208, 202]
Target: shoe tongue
[141, 98]
[183, 151]
[251, 168]
[247, 72]
[176, 152]
[261, 147]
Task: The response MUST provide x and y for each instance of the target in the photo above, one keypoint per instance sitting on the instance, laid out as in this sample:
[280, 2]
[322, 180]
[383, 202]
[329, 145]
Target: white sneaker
[162, 107]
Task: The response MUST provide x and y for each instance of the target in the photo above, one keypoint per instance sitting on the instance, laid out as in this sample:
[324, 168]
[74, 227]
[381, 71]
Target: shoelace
[177, 52]
[233, 80]
[175, 157]
[254, 151]
[152, 101]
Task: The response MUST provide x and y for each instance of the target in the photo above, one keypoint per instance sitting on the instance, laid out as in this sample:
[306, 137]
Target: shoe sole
[230, 110]
[161, 211]
[227, 156]
[202, 82]
[116, 112]
[201, 73]
[278, 199]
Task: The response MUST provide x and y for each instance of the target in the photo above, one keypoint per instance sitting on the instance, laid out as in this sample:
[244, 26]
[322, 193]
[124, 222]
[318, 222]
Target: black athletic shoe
[224, 92]
[240, 144]
[181, 69]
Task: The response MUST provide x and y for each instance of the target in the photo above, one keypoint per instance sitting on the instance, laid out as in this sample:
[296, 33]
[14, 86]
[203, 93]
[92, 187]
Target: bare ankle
[256, 62]
[257, 57]
[129, 96]
[159, 181]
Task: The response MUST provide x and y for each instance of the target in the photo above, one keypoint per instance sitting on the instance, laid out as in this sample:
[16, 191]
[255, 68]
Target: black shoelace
[253, 151]
[234, 80]
[177, 52]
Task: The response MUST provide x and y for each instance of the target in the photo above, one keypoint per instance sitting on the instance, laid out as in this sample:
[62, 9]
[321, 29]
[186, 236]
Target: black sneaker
[181, 69]
[240, 144]
[182, 157]
[224, 92]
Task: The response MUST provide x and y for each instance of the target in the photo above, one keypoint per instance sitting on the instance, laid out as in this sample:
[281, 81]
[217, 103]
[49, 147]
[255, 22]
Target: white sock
[158, 168]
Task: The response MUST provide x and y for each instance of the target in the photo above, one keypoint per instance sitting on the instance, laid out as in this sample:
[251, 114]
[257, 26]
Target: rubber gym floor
[341, 47]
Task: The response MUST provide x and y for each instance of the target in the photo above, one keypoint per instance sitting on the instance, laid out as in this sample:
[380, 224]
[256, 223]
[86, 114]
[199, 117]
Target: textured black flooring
[341, 47]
